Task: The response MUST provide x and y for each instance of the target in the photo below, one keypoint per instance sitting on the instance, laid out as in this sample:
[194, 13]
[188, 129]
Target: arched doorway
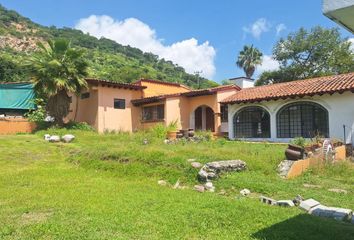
[252, 122]
[302, 119]
[204, 119]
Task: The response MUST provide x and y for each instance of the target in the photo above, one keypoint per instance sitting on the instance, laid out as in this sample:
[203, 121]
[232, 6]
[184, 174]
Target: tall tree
[305, 54]
[248, 59]
[56, 70]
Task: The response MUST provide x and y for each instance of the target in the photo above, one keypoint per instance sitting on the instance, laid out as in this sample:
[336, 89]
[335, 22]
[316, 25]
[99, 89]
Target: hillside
[107, 59]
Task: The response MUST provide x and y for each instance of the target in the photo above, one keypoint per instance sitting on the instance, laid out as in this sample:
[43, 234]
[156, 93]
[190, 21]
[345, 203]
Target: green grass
[105, 187]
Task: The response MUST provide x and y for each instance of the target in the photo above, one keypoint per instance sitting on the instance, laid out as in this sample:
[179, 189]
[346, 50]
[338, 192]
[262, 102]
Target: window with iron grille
[119, 103]
[303, 119]
[224, 113]
[153, 113]
[252, 122]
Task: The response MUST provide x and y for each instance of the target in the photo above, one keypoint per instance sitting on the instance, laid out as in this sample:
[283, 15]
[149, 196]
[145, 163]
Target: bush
[299, 141]
[79, 126]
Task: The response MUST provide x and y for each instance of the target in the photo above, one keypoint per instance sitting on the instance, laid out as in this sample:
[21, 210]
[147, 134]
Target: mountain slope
[107, 59]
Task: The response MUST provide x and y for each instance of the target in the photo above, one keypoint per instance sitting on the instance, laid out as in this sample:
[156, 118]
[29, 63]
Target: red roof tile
[114, 84]
[192, 93]
[300, 88]
[160, 82]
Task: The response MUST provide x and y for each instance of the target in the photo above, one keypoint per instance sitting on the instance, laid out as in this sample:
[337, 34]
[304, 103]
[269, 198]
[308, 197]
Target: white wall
[340, 109]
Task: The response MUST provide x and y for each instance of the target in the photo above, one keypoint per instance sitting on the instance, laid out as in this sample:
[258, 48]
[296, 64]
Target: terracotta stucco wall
[87, 108]
[12, 126]
[117, 119]
[155, 89]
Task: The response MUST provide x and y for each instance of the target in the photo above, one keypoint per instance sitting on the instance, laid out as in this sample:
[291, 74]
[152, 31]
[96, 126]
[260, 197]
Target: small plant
[79, 126]
[299, 141]
[204, 135]
[39, 114]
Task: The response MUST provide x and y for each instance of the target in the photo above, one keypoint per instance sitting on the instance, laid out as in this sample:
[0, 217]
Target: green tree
[248, 59]
[56, 70]
[305, 54]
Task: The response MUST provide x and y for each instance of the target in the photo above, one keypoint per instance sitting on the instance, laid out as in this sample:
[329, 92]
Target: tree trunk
[58, 107]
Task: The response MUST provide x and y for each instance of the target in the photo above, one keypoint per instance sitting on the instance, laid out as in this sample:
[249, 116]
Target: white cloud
[268, 64]
[131, 31]
[258, 27]
[279, 28]
[351, 40]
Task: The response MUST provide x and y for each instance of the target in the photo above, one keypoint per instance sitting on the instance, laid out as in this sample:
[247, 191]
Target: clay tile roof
[209, 91]
[108, 83]
[192, 93]
[300, 88]
[160, 82]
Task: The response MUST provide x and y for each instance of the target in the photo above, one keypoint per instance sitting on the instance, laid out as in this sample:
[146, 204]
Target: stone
[196, 164]
[209, 186]
[285, 203]
[267, 200]
[166, 141]
[145, 142]
[311, 185]
[68, 138]
[337, 190]
[176, 185]
[46, 137]
[54, 138]
[199, 188]
[339, 214]
[162, 182]
[212, 170]
[297, 200]
[191, 160]
[226, 166]
[245, 192]
[308, 204]
[284, 167]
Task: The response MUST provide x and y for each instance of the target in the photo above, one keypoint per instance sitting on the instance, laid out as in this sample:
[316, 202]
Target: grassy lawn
[105, 187]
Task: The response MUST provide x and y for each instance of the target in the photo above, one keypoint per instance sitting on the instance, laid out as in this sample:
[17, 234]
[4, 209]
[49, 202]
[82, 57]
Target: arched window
[252, 122]
[302, 119]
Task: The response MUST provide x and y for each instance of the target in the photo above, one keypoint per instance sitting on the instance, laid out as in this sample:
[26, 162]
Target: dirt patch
[35, 217]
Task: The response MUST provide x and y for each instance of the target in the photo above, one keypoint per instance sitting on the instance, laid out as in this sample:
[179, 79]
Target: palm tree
[56, 70]
[248, 59]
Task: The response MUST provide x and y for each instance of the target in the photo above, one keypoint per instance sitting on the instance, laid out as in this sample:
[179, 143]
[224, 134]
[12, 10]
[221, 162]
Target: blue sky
[198, 35]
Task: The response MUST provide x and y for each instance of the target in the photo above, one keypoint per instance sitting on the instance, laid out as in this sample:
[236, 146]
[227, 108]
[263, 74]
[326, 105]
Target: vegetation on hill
[106, 58]
[104, 186]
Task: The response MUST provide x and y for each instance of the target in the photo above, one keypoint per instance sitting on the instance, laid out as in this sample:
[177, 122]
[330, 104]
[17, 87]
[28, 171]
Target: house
[340, 11]
[115, 106]
[303, 108]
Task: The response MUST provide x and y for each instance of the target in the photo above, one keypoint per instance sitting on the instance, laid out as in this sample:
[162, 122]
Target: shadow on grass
[305, 227]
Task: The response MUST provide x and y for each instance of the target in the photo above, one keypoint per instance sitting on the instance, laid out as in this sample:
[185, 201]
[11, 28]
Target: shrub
[79, 126]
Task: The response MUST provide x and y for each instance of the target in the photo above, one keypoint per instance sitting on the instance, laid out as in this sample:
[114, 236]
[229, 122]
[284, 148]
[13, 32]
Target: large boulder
[212, 170]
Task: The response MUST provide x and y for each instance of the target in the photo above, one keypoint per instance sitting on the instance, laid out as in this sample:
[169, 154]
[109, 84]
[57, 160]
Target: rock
[68, 138]
[267, 200]
[145, 141]
[199, 188]
[209, 186]
[337, 190]
[340, 214]
[212, 170]
[311, 185]
[285, 203]
[162, 182]
[308, 204]
[245, 192]
[54, 138]
[176, 185]
[297, 200]
[196, 164]
[191, 160]
[166, 141]
[284, 167]
[226, 166]
[46, 137]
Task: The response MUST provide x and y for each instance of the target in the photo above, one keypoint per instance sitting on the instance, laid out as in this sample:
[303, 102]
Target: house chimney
[242, 82]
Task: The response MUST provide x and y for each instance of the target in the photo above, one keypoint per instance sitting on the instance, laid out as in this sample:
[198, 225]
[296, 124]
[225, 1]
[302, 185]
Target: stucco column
[273, 125]
[203, 118]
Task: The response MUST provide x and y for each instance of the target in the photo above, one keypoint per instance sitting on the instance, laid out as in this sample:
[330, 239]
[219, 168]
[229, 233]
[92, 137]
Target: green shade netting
[17, 96]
